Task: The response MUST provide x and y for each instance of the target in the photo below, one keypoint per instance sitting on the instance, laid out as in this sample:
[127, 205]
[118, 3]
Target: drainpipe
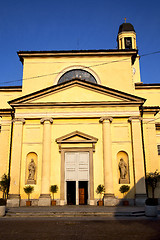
[10, 151]
[143, 146]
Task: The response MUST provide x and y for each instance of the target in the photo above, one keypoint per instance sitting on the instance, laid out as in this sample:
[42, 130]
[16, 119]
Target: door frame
[63, 184]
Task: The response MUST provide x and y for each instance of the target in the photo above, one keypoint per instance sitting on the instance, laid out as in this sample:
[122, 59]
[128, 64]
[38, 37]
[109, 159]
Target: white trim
[78, 114]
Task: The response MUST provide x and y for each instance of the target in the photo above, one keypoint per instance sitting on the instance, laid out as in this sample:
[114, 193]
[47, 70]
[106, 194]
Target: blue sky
[71, 24]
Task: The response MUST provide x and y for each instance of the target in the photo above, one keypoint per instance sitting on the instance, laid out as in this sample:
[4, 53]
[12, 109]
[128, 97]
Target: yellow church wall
[151, 95]
[32, 142]
[76, 94]
[5, 135]
[113, 71]
[121, 142]
[91, 127]
[136, 71]
[158, 143]
[8, 96]
[150, 143]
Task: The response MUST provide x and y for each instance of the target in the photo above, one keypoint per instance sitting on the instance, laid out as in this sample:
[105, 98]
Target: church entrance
[71, 193]
[83, 192]
[77, 177]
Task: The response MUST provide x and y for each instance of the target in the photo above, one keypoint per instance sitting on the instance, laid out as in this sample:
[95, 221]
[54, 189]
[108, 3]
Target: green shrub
[28, 190]
[4, 185]
[151, 201]
[53, 189]
[124, 188]
[152, 179]
[3, 202]
[100, 189]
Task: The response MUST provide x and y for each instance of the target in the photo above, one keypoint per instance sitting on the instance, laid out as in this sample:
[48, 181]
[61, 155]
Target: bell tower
[126, 36]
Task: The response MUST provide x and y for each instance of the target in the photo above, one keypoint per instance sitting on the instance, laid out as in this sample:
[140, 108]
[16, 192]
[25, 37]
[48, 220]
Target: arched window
[77, 74]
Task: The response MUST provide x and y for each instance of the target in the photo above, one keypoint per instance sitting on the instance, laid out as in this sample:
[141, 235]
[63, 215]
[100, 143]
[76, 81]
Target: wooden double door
[82, 192]
[77, 177]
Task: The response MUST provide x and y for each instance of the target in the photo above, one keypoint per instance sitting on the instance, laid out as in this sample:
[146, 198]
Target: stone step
[72, 214]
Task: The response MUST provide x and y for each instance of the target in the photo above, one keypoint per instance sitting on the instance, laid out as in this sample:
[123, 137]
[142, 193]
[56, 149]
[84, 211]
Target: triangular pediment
[76, 137]
[75, 91]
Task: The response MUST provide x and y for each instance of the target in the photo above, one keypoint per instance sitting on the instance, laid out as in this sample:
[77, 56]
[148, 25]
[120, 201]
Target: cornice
[147, 86]
[126, 97]
[91, 104]
[150, 109]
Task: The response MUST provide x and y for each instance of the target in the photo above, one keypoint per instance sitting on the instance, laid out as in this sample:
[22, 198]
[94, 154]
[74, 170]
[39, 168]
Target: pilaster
[109, 198]
[139, 172]
[150, 142]
[44, 199]
[15, 172]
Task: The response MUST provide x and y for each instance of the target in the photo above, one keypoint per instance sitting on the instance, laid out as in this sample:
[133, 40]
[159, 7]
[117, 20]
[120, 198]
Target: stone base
[29, 181]
[44, 200]
[92, 202]
[123, 181]
[140, 199]
[62, 202]
[2, 211]
[151, 211]
[13, 200]
[110, 200]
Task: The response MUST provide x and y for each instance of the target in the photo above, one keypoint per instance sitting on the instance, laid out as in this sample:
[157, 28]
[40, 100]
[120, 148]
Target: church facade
[81, 118]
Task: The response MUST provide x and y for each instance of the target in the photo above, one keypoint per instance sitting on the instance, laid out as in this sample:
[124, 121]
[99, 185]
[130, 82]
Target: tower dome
[126, 27]
[126, 37]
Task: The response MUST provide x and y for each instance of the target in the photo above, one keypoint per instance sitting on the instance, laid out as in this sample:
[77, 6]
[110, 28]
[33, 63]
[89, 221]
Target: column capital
[130, 119]
[22, 120]
[105, 118]
[46, 119]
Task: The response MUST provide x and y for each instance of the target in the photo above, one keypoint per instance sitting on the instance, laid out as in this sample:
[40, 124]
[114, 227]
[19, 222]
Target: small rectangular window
[158, 147]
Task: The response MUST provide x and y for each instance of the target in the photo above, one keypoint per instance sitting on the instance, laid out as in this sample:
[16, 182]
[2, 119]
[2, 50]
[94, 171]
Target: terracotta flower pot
[100, 203]
[53, 202]
[125, 203]
[28, 203]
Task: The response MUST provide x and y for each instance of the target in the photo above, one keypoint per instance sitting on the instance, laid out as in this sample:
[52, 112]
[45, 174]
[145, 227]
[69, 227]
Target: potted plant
[100, 190]
[124, 189]
[4, 185]
[151, 203]
[28, 190]
[53, 189]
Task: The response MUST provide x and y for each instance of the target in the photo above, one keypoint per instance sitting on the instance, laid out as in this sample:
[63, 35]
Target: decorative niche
[31, 168]
[123, 167]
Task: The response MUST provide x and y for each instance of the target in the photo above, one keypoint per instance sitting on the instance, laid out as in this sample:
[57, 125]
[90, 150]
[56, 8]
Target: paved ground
[68, 229]
[91, 222]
